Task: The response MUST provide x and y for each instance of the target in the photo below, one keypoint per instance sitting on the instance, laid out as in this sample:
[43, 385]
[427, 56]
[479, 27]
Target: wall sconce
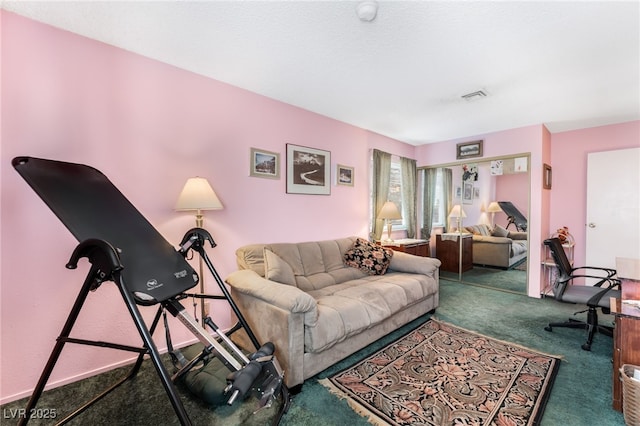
[389, 212]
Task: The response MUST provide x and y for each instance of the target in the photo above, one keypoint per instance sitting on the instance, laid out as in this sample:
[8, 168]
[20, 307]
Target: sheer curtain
[428, 201]
[408, 168]
[381, 173]
[429, 196]
[447, 187]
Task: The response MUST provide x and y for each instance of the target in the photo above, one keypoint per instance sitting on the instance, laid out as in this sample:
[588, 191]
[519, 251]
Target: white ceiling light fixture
[367, 10]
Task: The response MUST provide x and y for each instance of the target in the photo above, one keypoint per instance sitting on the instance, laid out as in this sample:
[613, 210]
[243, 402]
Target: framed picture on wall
[467, 193]
[264, 164]
[469, 150]
[308, 170]
[546, 176]
[344, 175]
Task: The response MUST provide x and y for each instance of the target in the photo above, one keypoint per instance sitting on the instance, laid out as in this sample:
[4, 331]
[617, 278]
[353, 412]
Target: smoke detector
[367, 10]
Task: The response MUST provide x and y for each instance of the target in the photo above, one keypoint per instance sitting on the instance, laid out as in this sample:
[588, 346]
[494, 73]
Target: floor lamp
[198, 195]
[457, 213]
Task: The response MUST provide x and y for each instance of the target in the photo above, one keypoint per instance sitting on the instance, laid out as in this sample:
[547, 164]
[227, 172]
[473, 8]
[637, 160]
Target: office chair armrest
[610, 272]
[613, 282]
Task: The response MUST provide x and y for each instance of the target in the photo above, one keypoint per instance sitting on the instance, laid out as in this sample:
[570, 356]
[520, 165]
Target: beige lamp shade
[389, 211]
[457, 211]
[197, 194]
[494, 207]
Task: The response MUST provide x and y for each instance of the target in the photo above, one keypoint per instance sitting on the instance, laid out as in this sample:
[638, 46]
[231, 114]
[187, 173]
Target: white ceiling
[567, 65]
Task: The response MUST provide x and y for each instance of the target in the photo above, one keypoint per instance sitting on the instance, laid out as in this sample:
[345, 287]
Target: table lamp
[493, 208]
[457, 212]
[389, 212]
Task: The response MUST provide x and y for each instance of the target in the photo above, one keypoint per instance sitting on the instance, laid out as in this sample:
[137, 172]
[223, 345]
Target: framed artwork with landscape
[469, 150]
[264, 164]
[308, 170]
[344, 175]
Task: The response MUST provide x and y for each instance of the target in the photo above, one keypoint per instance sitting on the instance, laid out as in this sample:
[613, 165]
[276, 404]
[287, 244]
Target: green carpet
[514, 280]
[581, 393]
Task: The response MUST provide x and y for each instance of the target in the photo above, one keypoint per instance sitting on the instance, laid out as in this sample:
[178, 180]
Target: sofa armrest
[284, 296]
[404, 262]
[492, 240]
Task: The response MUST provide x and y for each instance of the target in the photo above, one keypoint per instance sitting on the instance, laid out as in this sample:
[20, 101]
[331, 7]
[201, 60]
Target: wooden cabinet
[410, 246]
[448, 251]
[626, 336]
[626, 350]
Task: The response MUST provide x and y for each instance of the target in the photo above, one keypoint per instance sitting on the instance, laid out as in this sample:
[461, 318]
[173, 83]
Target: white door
[613, 206]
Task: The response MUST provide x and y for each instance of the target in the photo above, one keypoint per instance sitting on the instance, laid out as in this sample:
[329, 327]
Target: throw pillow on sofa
[276, 269]
[499, 231]
[370, 258]
[482, 229]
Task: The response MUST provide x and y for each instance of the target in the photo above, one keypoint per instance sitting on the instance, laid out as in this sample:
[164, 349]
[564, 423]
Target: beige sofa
[497, 246]
[317, 310]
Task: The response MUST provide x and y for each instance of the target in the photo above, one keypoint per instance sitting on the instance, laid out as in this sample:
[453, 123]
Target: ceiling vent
[474, 95]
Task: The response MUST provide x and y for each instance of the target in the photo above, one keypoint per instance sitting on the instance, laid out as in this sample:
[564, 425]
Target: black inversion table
[123, 247]
[513, 216]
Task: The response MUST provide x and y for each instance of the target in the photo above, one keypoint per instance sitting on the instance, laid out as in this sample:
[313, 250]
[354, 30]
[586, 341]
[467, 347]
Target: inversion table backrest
[90, 206]
[512, 211]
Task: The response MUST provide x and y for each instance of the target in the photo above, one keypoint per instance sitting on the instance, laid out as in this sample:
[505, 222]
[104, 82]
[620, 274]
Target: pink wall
[569, 152]
[148, 126]
[512, 187]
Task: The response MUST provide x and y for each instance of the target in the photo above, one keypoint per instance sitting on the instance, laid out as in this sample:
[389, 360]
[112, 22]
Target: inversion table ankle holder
[123, 247]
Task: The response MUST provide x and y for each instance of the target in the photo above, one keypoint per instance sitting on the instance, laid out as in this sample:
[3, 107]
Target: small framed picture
[458, 192]
[344, 175]
[546, 176]
[264, 164]
[476, 192]
[468, 150]
[467, 193]
[308, 170]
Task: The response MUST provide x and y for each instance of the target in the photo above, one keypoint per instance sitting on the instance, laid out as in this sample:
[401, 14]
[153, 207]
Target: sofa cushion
[518, 247]
[370, 258]
[499, 231]
[317, 264]
[351, 307]
[276, 269]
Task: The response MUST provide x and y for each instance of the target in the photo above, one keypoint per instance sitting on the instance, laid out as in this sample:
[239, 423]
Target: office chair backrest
[90, 206]
[562, 263]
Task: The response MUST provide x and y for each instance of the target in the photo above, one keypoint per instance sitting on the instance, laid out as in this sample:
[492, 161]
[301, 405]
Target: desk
[409, 245]
[626, 336]
[448, 251]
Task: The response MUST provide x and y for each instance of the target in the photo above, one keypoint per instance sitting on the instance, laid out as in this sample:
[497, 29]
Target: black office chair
[596, 296]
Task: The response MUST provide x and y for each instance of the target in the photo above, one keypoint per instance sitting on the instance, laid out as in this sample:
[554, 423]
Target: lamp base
[389, 226]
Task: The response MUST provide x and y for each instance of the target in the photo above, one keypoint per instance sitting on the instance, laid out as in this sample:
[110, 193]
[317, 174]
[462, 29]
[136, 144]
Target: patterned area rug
[439, 374]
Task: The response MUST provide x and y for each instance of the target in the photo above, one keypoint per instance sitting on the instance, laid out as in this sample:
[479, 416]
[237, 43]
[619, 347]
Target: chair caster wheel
[548, 328]
[586, 347]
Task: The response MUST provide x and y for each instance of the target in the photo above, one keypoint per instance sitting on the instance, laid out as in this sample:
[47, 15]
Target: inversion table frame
[123, 247]
[513, 216]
